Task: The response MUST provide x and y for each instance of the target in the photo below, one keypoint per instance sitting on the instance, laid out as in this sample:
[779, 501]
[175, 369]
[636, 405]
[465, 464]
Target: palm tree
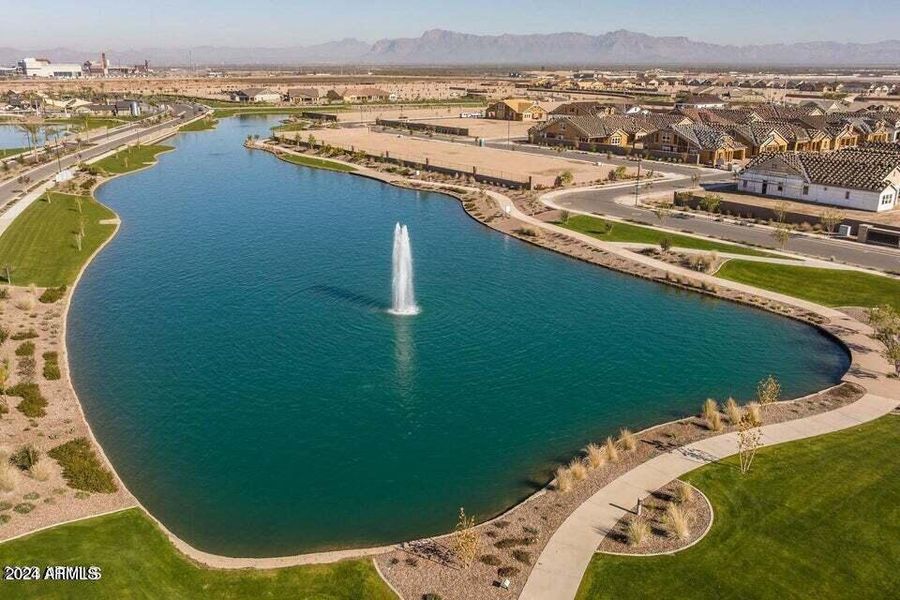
[32, 129]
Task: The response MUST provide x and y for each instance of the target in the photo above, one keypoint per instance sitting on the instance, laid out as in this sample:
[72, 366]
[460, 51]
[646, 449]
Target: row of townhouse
[312, 96]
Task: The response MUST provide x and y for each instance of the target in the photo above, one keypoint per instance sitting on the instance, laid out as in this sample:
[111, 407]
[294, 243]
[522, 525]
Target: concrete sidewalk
[560, 567]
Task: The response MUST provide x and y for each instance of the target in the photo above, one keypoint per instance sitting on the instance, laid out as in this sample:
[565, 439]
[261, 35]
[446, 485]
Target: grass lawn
[87, 123]
[831, 287]
[4, 152]
[138, 561]
[131, 158]
[200, 125]
[317, 163]
[614, 231]
[40, 244]
[817, 518]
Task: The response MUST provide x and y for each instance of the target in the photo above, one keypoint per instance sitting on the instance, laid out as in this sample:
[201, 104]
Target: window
[666, 137]
[615, 140]
[806, 190]
[780, 187]
[745, 184]
[846, 195]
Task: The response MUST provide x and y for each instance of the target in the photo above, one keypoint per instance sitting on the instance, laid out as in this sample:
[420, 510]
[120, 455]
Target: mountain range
[440, 47]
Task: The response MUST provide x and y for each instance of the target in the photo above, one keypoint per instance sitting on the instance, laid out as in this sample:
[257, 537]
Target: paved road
[615, 202]
[11, 189]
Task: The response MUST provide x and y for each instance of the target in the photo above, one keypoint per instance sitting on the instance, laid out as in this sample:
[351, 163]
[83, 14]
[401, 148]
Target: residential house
[256, 95]
[588, 108]
[305, 96]
[700, 101]
[866, 178]
[587, 131]
[708, 144]
[515, 109]
[357, 95]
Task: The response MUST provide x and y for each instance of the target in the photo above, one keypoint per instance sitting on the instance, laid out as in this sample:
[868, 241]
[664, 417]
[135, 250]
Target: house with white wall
[858, 178]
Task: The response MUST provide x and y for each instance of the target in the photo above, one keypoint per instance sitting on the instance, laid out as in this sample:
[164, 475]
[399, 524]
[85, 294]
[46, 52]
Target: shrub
[665, 244]
[677, 522]
[523, 556]
[52, 295]
[594, 455]
[24, 508]
[33, 403]
[51, 365]
[24, 335]
[564, 480]
[26, 303]
[612, 453]
[577, 469]
[682, 492]
[81, 468]
[4, 334]
[8, 476]
[754, 414]
[507, 571]
[627, 440]
[25, 349]
[710, 407]
[492, 560]
[26, 366]
[733, 411]
[4, 519]
[25, 457]
[432, 597]
[636, 530]
[41, 471]
[714, 422]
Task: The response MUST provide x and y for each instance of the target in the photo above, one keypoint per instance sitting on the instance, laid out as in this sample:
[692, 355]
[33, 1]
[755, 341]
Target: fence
[413, 126]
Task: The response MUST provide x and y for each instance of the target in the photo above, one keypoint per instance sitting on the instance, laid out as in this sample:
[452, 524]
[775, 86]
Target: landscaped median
[317, 163]
[134, 556]
[816, 518]
[615, 231]
[829, 287]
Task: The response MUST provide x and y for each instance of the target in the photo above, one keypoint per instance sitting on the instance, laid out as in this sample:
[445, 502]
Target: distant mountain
[440, 47]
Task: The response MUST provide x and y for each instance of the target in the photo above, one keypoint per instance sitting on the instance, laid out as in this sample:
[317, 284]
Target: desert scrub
[676, 521]
[564, 479]
[81, 468]
[637, 530]
[682, 492]
[612, 453]
[52, 295]
[507, 571]
[627, 440]
[25, 349]
[4, 334]
[24, 508]
[51, 365]
[594, 455]
[492, 560]
[33, 403]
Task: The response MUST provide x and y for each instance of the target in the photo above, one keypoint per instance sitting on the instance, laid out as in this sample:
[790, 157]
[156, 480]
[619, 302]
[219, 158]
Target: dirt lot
[505, 164]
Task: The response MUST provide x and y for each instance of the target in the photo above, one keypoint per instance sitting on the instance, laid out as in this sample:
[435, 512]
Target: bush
[81, 468]
[41, 471]
[4, 334]
[677, 522]
[507, 571]
[754, 413]
[564, 480]
[523, 556]
[612, 453]
[431, 597]
[25, 349]
[7, 476]
[491, 560]
[594, 455]
[682, 492]
[577, 469]
[733, 411]
[33, 403]
[665, 244]
[25, 457]
[52, 295]
[24, 508]
[51, 365]
[627, 440]
[636, 530]
[30, 334]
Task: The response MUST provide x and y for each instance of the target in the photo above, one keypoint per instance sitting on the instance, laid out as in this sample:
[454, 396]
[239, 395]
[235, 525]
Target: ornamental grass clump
[676, 521]
[594, 456]
[733, 411]
[564, 480]
[711, 415]
[754, 413]
[612, 453]
[636, 531]
[627, 440]
[682, 492]
[577, 469]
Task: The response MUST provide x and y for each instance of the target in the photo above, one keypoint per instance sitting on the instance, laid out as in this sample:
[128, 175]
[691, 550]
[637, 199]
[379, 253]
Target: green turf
[40, 244]
[626, 232]
[317, 163]
[817, 518]
[831, 287]
[87, 122]
[4, 152]
[200, 124]
[131, 158]
[138, 561]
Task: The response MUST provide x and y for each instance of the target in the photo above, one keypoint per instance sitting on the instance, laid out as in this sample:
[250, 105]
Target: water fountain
[404, 299]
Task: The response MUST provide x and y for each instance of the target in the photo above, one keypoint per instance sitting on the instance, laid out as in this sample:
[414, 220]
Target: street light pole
[637, 183]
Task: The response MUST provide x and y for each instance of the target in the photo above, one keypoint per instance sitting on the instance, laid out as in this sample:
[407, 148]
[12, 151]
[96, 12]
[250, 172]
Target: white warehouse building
[42, 67]
[864, 178]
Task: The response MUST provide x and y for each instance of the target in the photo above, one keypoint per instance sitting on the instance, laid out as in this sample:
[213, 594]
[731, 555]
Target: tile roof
[865, 168]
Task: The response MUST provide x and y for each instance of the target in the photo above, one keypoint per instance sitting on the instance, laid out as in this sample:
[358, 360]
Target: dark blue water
[12, 136]
[233, 354]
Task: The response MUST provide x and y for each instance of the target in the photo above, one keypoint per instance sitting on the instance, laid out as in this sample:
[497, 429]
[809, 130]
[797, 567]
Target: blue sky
[177, 23]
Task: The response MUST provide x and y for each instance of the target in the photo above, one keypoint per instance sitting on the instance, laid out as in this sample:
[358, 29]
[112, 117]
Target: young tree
[749, 441]
[466, 540]
[830, 218]
[780, 209]
[563, 216]
[885, 320]
[565, 178]
[781, 233]
[662, 210]
[665, 244]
